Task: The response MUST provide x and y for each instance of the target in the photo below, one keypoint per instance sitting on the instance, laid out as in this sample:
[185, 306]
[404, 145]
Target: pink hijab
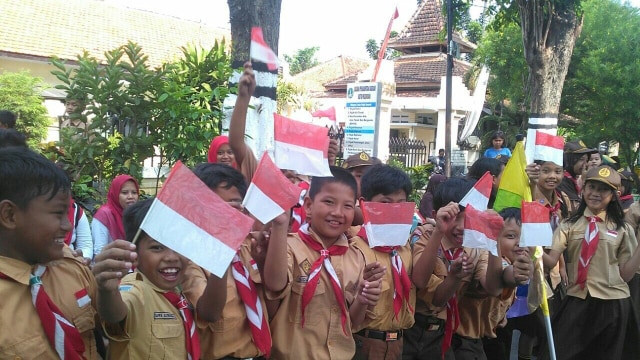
[110, 214]
[218, 141]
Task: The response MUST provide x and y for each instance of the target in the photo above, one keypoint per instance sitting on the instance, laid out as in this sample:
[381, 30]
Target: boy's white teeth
[170, 270]
[59, 241]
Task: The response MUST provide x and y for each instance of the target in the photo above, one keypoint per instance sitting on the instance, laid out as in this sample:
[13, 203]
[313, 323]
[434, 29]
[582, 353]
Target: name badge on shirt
[612, 233]
[303, 279]
[161, 315]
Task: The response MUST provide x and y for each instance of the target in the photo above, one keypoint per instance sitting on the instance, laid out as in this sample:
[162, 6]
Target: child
[144, 314]
[233, 335]
[442, 271]
[47, 309]
[497, 146]
[382, 337]
[576, 156]
[324, 286]
[626, 189]
[594, 320]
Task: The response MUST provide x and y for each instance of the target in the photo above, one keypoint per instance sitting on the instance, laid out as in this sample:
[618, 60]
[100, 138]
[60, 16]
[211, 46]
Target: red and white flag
[301, 147]
[479, 194]
[270, 192]
[536, 226]
[481, 229]
[191, 219]
[329, 113]
[548, 148]
[260, 51]
[387, 224]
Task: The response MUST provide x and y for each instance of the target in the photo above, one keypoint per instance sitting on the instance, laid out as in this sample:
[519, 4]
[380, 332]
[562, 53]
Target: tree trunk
[243, 15]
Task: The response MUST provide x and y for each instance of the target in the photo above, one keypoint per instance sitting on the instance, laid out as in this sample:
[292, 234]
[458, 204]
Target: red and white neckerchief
[573, 180]
[190, 333]
[588, 249]
[324, 261]
[63, 336]
[253, 306]
[401, 282]
[554, 217]
[453, 317]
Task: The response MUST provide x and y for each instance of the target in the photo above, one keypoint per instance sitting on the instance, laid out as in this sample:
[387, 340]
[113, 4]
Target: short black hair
[498, 135]
[452, 190]
[12, 138]
[8, 118]
[385, 180]
[340, 176]
[133, 216]
[25, 175]
[512, 213]
[482, 165]
[214, 174]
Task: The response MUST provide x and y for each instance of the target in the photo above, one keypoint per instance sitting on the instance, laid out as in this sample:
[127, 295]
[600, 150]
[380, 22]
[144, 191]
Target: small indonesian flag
[189, 218]
[387, 224]
[270, 192]
[328, 113]
[260, 51]
[482, 229]
[536, 226]
[479, 194]
[548, 148]
[82, 298]
[301, 147]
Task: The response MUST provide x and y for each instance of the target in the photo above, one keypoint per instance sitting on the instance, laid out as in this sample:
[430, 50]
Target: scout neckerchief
[314, 273]
[253, 306]
[401, 282]
[453, 317]
[63, 336]
[190, 333]
[573, 180]
[588, 249]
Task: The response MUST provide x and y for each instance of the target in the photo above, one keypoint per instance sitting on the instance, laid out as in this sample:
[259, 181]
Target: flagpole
[544, 305]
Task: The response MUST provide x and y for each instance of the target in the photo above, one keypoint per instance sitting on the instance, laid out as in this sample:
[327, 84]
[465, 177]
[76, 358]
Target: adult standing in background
[106, 225]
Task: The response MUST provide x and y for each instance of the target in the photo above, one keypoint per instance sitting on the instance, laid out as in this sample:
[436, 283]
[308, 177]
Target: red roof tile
[425, 68]
[42, 28]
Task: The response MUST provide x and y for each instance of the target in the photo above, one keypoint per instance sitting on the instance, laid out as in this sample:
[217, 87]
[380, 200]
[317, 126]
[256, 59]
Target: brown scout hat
[578, 147]
[359, 159]
[604, 174]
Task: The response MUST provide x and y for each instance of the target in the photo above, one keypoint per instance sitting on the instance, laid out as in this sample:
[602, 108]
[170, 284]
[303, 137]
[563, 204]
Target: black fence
[410, 152]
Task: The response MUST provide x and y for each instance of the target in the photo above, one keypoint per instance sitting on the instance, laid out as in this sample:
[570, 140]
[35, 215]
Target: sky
[337, 27]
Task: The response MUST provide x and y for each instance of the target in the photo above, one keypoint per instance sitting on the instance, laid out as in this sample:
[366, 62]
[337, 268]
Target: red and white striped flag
[481, 229]
[191, 219]
[479, 194]
[301, 147]
[270, 192]
[548, 148]
[387, 224]
[260, 51]
[536, 226]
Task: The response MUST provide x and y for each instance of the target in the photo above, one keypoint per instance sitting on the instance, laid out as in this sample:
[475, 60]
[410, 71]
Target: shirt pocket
[313, 311]
[85, 319]
[230, 319]
[165, 332]
[31, 348]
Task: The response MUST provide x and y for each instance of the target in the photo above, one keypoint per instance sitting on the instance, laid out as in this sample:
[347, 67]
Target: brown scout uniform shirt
[21, 332]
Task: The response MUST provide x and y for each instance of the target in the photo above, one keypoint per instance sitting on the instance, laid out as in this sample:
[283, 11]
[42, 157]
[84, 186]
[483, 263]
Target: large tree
[602, 88]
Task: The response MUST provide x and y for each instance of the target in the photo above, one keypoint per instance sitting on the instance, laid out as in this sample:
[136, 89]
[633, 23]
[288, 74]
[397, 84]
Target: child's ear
[8, 210]
[619, 193]
[433, 214]
[307, 205]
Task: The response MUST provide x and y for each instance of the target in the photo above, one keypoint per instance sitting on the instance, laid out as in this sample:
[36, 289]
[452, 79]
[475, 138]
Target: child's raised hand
[114, 262]
[247, 82]
[522, 268]
[369, 293]
[259, 245]
[446, 216]
[333, 150]
[461, 267]
[533, 171]
[373, 272]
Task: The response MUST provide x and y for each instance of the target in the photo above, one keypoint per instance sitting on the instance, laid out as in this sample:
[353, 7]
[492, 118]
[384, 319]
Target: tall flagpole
[447, 139]
[383, 47]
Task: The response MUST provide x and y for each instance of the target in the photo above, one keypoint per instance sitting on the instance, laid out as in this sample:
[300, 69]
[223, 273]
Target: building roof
[39, 29]
[423, 32]
[424, 69]
[311, 80]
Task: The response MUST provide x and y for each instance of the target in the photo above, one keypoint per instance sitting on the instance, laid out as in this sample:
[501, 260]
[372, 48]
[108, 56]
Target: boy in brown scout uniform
[324, 287]
[384, 325]
[144, 313]
[47, 309]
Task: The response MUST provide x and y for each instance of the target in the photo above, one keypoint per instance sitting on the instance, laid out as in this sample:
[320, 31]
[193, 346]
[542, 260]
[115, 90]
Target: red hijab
[110, 214]
[216, 143]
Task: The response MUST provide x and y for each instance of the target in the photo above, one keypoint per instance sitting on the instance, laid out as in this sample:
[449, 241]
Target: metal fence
[411, 152]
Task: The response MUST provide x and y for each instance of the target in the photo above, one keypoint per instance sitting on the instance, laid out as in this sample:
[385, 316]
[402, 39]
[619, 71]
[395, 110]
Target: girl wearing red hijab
[107, 222]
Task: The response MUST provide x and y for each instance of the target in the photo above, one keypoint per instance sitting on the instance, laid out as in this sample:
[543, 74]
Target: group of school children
[320, 292]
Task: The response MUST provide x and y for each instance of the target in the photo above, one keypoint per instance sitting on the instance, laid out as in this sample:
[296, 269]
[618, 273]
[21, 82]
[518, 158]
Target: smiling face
[161, 265]
[550, 176]
[331, 211]
[128, 194]
[39, 229]
[581, 165]
[225, 155]
[597, 196]
[509, 240]
[453, 235]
